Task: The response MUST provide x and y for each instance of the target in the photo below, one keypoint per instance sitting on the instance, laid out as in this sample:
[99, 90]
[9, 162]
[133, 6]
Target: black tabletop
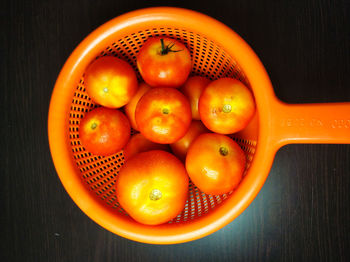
[301, 214]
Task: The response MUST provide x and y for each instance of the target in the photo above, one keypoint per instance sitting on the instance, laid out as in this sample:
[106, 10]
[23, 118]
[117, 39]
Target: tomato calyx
[166, 49]
[165, 111]
[223, 151]
[227, 108]
[155, 194]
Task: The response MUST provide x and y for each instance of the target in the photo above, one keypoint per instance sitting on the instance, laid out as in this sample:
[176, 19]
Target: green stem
[164, 49]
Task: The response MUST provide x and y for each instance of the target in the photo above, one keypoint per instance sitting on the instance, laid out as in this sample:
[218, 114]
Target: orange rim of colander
[61, 100]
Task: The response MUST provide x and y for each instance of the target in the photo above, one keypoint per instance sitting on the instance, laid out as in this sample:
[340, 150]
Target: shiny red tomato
[226, 106]
[193, 89]
[110, 82]
[164, 62]
[152, 187]
[131, 106]
[138, 143]
[104, 131]
[181, 146]
[215, 163]
[163, 115]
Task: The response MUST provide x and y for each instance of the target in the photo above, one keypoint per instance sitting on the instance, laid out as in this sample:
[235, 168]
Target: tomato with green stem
[164, 62]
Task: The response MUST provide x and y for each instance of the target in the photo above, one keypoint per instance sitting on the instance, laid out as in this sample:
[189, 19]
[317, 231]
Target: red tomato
[131, 106]
[152, 187]
[193, 89]
[226, 106]
[164, 62]
[138, 143]
[104, 131]
[215, 163]
[110, 82]
[181, 146]
[163, 115]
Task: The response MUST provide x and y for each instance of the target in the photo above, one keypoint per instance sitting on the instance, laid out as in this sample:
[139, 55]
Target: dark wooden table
[301, 214]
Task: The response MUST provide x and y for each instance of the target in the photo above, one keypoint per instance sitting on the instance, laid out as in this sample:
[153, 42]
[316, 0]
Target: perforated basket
[216, 52]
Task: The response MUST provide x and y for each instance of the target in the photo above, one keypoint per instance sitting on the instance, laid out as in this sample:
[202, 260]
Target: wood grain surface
[301, 214]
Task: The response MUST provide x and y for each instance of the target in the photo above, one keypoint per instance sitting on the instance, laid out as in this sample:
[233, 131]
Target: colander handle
[327, 123]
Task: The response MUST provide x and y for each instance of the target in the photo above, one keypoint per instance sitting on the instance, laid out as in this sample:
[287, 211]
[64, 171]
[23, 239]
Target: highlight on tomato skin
[152, 187]
[110, 82]
[226, 106]
[164, 62]
[215, 163]
[138, 143]
[163, 115]
[104, 131]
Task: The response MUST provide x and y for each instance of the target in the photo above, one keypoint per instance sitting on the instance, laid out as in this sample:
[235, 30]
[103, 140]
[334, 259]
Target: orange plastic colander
[217, 52]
